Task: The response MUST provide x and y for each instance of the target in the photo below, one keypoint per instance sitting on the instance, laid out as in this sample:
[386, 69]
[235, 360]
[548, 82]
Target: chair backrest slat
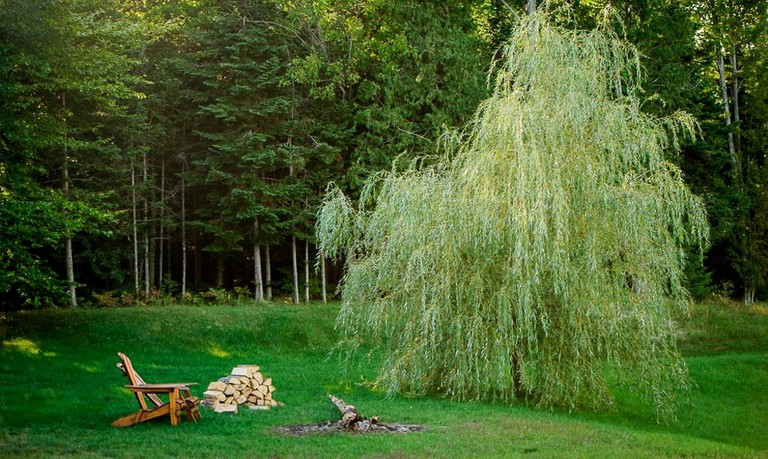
[136, 380]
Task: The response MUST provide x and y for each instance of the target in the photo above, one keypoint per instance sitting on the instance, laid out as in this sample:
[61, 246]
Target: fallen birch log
[351, 421]
[349, 414]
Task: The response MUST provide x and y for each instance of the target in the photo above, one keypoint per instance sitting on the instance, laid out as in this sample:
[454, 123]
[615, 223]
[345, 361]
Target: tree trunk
[161, 239]
[726, 109]
[323, 279]
[71, 273]
[258, 286]
[152, 248]
[198, 261]
[735, 97]
[135, 225]
[220, 270]
[268, 262]
[295, 264]
[306, 271]
[183, 232]
[70, 261]
[146, 228]
[516, 375]
[151, 232]
[749, 293]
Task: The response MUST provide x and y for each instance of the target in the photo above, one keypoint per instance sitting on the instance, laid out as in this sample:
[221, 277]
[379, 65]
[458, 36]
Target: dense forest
[181, 148]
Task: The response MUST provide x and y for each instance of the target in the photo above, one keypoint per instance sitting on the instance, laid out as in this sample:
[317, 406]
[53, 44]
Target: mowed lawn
[60, 390]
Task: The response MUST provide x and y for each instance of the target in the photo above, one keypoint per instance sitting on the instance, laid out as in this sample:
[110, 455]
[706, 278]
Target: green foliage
[245, 120]
[698, 281]
[260, 104]
[30, 224]
[64, 70]
[731, 180]
[34, 221]
[544, 256]
[391, 75]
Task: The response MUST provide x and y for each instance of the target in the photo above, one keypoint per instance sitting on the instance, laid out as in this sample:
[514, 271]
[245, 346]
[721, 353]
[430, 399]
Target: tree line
[156, 148]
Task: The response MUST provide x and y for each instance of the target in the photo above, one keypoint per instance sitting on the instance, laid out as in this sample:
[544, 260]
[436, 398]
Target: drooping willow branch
[543, 258]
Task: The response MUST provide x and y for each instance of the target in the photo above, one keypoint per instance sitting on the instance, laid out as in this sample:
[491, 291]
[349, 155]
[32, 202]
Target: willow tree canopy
[543, 258]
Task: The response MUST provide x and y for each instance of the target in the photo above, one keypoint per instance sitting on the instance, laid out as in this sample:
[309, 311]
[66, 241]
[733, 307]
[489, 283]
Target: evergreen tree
[242, 119]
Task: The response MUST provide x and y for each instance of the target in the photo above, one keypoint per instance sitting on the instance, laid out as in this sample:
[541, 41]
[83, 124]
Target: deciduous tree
[543, 257]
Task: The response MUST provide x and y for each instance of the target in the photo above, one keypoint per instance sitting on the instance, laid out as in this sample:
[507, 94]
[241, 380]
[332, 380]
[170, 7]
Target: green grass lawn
[60, 391]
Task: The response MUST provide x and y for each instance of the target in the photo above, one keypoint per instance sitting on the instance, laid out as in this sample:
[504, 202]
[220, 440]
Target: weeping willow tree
[542, 257]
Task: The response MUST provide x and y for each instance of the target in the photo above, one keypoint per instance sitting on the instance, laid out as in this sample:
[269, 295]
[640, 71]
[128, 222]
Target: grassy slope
[60, 391]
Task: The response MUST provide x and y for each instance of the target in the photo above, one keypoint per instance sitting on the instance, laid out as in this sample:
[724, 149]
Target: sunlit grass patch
[25, 346]
[216, 351]
[87, 368]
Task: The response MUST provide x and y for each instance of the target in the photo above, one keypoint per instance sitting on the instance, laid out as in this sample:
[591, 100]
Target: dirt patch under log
[351, 421]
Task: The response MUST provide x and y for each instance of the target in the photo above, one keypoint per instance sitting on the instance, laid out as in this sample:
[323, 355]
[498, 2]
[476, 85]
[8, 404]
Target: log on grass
[351, 419]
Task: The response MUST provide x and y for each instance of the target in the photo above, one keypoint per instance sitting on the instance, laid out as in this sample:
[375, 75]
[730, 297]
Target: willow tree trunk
[258, 286]
[70, 262]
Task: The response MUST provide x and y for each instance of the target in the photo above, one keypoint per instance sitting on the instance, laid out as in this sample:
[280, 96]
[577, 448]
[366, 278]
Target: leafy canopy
[542, 257]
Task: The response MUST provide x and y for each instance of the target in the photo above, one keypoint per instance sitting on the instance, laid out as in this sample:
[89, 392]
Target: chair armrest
[158, 388]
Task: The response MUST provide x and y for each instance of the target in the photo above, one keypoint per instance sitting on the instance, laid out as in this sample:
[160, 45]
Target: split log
[240, 371]
[217, 385]
[244, 386]
[349, 414]
[225, 408]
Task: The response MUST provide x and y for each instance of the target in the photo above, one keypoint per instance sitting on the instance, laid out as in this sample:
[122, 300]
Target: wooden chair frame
[179, 398]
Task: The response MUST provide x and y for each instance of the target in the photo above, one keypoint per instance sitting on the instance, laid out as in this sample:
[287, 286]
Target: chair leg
[190, 407]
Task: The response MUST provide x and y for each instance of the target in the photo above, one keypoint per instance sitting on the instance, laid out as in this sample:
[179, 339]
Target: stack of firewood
[245, 386]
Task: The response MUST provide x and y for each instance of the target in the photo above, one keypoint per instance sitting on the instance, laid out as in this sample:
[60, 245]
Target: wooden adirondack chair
[179, 398]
